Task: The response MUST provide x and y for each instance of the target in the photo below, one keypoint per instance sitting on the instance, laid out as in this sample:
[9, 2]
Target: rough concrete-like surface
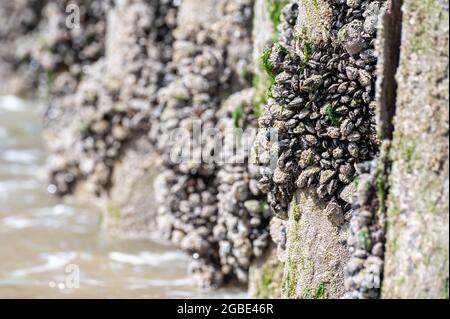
[129, 206]
[418, 208]
[316, 251]
[261, 21]
[19, 23]
[130, 210]
[265, 276]
[202, 12]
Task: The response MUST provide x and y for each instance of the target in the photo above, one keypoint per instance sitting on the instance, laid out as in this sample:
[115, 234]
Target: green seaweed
[393, 214]
[291, 278]
[307, 49]
[256, 81]
[257, 110]
[282, 48]
[266, 280]
[408, 154]
[316, 5]
[296, 212]
[237, 115]
[364, 239]
[275, 11]
[297, 263]
[50, 78]
[113, 210]
[267, 285]
[270, 88]
[268, 68]
[334, 118]
[356, 180]
[265, 62]
[307, 44]
[420, 39]
[321, 292]
[381, 191]
[84, 126]
[263, 206]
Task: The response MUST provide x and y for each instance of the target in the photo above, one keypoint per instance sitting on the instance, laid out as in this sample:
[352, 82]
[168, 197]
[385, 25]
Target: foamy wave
[140, 283]
[21, 156]
[12, 103]
[146, 258]
[8, 186]
[53, 261]
[17, 222]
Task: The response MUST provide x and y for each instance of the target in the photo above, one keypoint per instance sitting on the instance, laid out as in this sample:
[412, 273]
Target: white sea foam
[146, 258]
[59, 210]
[11, 103]
[8, 186]
[17, 222]
[20, 156]
[141, 283]
[52, 261]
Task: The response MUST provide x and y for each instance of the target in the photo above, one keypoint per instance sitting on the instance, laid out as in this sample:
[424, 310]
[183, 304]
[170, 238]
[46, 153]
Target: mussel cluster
[20, 20]
[243, 214]
[66, 44]
[187, 188]
[63, 52]
[322, 107]
[364, 270]
[109, 108]
[213, 209]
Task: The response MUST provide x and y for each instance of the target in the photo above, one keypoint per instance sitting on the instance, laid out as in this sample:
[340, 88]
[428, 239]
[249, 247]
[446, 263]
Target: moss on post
[416, 260]
[316, 254]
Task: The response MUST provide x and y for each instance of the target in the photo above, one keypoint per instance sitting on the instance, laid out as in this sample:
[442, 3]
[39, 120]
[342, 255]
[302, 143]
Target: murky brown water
[40, 236]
